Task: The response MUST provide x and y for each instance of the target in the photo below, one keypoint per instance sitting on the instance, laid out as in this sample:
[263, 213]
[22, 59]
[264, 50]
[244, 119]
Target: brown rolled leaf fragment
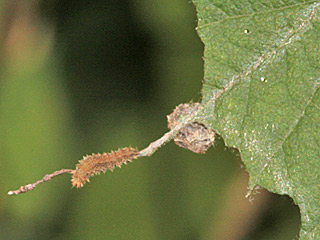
[195, 136]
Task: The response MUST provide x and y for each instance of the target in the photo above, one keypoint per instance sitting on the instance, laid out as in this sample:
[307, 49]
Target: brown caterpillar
[94, 164]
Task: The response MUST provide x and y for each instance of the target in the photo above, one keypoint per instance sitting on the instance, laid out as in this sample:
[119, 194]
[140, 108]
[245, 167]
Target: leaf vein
[253, 14]
[290, 131]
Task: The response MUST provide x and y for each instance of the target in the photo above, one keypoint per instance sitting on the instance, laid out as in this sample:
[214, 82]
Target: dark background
[92, 76]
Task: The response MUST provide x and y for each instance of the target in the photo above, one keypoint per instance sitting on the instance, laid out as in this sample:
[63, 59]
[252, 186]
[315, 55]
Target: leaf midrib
[289, 39]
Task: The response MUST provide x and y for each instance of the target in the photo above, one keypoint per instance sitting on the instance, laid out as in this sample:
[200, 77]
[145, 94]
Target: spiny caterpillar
[94, 164]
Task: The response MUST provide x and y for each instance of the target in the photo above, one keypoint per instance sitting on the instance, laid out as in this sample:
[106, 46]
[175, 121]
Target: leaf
[261, 93]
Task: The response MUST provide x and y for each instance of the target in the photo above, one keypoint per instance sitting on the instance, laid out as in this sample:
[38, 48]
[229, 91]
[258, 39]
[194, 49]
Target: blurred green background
[78, 77]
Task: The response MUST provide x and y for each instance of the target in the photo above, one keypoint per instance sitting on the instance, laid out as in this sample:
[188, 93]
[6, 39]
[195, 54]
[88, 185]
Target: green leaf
[261, 93]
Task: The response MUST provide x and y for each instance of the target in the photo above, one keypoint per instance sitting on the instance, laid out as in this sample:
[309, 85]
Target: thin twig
[148, 151]
[46, 178]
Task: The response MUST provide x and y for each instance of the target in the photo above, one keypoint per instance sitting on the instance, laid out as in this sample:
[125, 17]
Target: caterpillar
[96, 163]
